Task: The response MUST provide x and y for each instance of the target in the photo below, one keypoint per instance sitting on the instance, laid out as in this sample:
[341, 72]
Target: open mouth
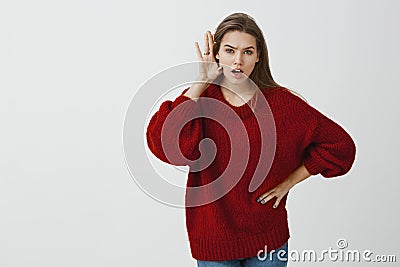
[237, 71]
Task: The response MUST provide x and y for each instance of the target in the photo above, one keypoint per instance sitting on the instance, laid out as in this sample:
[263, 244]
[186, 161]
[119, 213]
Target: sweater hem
[212, 249]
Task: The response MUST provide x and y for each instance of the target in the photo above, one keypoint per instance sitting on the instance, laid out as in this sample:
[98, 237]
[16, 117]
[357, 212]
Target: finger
[264, 195]
[200, 57]
[210, 43]
[267, 198]
[206, 44]
[278, 200]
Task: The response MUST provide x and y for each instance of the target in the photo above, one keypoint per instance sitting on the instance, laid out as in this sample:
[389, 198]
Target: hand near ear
[209, 68]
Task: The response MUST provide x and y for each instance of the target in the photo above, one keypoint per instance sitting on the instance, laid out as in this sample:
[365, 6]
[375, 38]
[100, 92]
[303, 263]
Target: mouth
[237, 71]
[237, 74]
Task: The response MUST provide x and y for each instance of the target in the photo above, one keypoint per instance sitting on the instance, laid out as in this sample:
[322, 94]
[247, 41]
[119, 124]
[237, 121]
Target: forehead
[239, 39]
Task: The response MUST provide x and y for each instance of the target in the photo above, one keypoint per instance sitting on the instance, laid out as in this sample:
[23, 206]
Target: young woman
[231, 228]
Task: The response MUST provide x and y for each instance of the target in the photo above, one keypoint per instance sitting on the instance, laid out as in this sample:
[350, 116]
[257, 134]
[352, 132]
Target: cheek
[253, 62]
[225, 59]
[250, 67]
[226, 71]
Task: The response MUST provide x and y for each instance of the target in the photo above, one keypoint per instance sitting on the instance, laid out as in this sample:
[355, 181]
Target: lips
[237, 74]
[237, 71]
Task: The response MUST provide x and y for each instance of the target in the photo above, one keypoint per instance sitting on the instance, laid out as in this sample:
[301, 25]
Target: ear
[217, 56]
[258, 59]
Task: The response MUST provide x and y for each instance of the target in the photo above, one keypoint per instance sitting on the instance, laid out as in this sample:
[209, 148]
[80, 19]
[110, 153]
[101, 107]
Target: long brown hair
[261, 74]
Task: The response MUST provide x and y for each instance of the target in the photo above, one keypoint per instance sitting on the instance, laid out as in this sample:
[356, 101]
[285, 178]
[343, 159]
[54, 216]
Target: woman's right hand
[209, 68]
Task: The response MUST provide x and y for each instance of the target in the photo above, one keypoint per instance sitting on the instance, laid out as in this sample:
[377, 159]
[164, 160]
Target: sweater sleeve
[330, 150]
[174, 131]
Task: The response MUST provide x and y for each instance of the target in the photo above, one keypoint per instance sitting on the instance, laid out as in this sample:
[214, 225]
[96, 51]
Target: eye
[229, 51]
[248, 52]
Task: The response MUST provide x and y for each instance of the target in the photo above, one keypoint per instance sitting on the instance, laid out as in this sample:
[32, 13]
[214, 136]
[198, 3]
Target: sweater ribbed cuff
[312, 165]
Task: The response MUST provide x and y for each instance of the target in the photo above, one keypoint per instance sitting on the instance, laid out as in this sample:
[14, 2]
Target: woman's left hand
[279, 192]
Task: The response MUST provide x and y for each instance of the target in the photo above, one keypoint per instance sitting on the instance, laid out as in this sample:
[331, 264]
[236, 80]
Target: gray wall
[69, 69]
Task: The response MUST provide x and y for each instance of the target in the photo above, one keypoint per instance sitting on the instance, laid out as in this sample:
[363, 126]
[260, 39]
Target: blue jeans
[276, 259]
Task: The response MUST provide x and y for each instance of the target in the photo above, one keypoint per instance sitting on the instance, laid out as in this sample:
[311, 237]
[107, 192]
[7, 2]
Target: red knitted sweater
[235, 225]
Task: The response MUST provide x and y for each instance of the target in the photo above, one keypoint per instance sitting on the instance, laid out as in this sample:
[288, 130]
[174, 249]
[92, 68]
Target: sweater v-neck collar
[243, 111]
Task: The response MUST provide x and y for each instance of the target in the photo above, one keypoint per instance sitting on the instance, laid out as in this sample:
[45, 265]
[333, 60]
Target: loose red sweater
[236, 225]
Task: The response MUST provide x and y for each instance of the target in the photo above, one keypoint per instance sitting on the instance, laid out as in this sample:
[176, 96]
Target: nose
[238, 59]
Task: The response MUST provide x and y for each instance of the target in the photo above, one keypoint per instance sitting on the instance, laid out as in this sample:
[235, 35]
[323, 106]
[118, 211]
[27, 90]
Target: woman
[232, 228]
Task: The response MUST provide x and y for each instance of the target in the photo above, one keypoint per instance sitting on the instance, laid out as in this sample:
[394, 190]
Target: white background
[68, 70]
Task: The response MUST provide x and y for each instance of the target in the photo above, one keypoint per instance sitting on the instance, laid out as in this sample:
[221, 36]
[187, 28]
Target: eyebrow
[249, 47]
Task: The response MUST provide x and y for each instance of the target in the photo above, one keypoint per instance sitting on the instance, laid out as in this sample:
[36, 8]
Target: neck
[242, 89]
[237, 95]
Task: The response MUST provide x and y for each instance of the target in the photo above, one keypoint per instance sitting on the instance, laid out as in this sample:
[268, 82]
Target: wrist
[203, 79]
[196, 90]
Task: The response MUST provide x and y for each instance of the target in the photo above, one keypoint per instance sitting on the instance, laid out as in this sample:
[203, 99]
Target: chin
[234, 81]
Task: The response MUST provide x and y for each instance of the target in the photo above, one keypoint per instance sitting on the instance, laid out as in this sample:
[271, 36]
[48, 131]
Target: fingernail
[274, 206]
[258, 200]
[263, 201]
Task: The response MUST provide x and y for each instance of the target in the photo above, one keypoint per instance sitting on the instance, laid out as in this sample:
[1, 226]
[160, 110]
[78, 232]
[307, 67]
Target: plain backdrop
[69, 69]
